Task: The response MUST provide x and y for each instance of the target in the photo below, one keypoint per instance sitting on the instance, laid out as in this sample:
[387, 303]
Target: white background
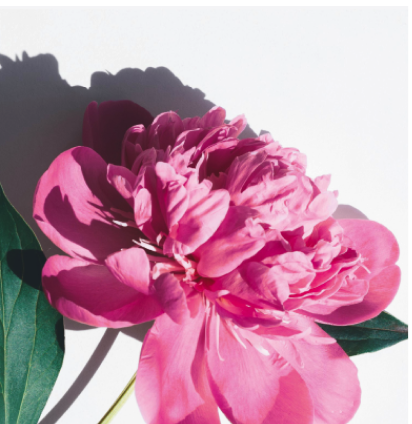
[329, 81]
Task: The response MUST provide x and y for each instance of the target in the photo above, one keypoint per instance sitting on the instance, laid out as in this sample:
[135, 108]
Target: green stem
[119, 402]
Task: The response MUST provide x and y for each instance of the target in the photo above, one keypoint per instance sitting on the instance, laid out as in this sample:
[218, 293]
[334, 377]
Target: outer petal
[92, 295]
[237, 239]
[105, 125]
[131, 267]
[329, 374]
[171, 383]
[380, 251]
[75, 206]
[244, 378]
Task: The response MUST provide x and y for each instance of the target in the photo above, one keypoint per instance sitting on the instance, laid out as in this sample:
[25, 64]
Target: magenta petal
[92, 295]
[105, 125]
[171, 385]
[131, 267]
[237, 239]
[75, 207]
[328, 373]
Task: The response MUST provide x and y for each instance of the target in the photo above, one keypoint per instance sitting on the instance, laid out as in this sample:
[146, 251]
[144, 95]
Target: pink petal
[122, 180]
[214, 118]
[206, 211]
[164, 130]
[92, 295]
[171, 385]
[237, 239]
[382, 290]
[244, 381]
[380, 251]
[240, 123]
[75, 207]
[293, 404]
[105, 125]
[328, 373]
[131, 267]
[373, 241]
[134, 142]
[171, 296]
[171, 193]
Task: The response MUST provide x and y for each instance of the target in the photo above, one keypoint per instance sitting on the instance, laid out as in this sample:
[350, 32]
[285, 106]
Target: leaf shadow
[27, 265]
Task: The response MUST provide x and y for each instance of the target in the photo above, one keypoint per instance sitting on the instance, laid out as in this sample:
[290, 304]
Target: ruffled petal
[380, 251]
[105, 125]
[75, 206]
[92, 295]
[373, 241]
[171, 384]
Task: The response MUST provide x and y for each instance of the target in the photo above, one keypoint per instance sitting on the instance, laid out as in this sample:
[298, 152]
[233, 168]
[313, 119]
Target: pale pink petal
[171, 385]
[75, 206]
[92, 295]
[238, 238]
[131, 267]
[105, 125]
[329, 374]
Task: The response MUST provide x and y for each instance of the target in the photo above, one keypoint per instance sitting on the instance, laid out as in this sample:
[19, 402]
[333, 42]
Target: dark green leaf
[31, 331]
[369, 336]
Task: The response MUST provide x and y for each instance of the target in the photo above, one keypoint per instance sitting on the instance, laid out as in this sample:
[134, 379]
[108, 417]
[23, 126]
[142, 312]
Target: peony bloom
[233, 250]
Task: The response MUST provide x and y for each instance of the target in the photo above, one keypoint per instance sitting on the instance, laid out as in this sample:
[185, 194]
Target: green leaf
[369, 336]
[31, 331]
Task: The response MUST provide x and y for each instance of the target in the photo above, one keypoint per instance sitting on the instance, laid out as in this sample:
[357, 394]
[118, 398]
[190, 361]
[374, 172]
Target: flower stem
[119, 402]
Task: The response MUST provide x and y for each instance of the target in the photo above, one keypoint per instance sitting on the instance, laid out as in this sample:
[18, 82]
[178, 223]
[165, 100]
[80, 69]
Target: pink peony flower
[233, 250]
